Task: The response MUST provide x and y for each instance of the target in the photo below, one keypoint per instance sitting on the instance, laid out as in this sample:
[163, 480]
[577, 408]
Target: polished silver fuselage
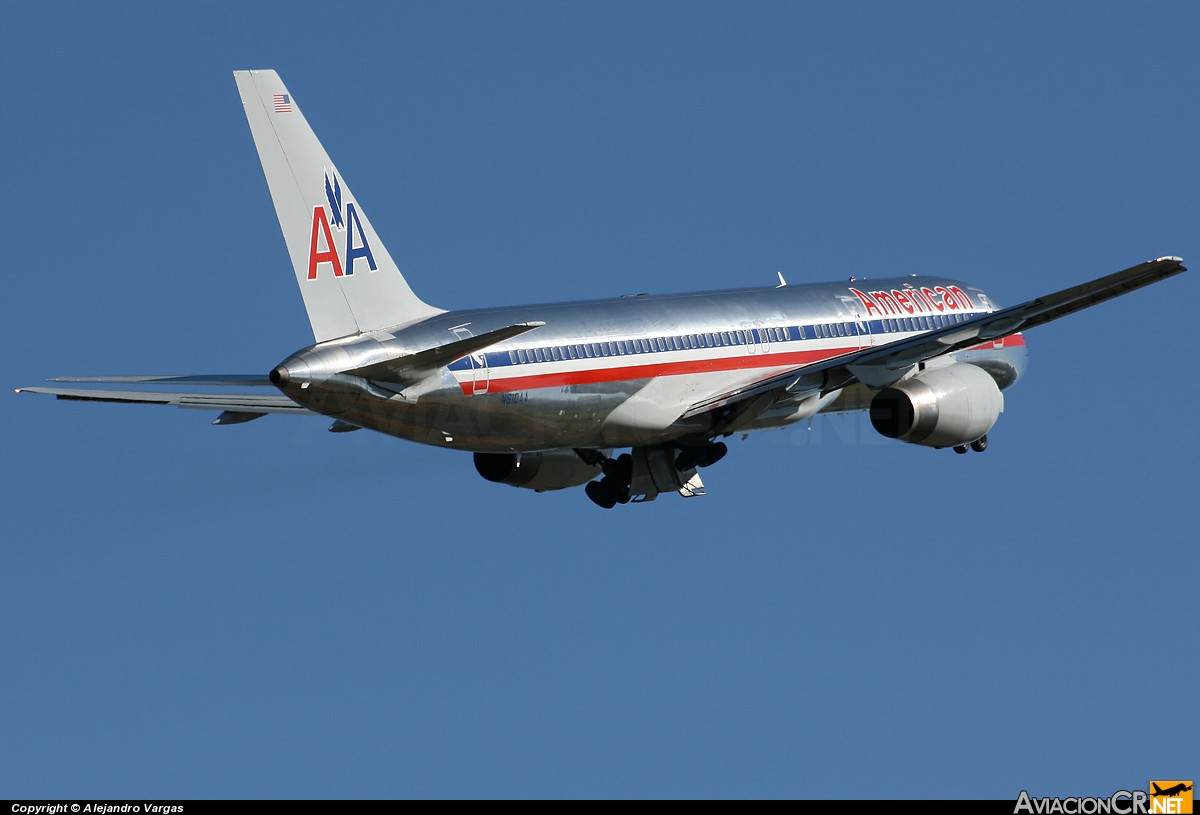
[619, 373]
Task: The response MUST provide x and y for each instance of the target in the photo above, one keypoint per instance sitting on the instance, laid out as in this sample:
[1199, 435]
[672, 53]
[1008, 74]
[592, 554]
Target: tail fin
[347, 278]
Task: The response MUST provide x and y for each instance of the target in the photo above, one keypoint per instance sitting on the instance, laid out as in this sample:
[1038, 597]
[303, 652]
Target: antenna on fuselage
[782, 282]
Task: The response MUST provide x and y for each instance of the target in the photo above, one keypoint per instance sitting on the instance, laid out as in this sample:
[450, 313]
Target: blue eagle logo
[333, 193]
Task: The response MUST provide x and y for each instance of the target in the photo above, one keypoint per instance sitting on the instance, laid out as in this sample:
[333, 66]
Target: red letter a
[330, 254]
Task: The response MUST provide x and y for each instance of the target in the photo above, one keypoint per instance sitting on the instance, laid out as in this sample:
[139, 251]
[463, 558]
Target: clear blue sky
[274, 610]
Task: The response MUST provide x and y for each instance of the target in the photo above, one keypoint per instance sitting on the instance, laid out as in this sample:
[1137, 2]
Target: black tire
[619, 468]
[961, 448]
[601, 496]
[714, 453]
[686, 459]
[980, 444]
[705, 456]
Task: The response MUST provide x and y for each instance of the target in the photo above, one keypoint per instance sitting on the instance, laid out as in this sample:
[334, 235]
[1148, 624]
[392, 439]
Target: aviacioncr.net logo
[1121, 802]
[1165, 797]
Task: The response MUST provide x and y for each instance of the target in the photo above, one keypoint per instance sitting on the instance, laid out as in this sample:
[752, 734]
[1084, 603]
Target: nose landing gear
[979, 445]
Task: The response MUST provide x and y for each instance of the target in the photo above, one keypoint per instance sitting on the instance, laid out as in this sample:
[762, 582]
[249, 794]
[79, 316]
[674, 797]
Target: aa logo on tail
[1174, 797]
[321, 246]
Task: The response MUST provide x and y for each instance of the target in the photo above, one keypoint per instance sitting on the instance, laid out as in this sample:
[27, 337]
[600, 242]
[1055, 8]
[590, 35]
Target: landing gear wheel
[600, 494]
[961, 448]
[980, 444]
[619, 468]
[705, 456]
[715, 453]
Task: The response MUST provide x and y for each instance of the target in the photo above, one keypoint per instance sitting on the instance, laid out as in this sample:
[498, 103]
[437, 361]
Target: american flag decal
[283, 103]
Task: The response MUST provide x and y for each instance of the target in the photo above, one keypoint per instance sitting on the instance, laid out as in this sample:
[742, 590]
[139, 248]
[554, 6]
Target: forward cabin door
[858, 316]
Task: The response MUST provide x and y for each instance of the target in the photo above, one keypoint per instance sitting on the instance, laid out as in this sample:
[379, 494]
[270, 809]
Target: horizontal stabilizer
[251, 380]
[411, 366]
[231, 403]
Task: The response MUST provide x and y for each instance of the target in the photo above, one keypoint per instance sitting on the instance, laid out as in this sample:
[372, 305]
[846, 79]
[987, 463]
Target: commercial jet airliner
[547, 396]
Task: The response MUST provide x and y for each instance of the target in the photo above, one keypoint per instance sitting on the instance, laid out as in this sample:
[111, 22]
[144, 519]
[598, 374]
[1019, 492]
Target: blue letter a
[352, 252]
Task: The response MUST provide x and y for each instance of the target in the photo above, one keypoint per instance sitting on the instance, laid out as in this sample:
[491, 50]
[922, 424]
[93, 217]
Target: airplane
[545, 396]
[1169, 791]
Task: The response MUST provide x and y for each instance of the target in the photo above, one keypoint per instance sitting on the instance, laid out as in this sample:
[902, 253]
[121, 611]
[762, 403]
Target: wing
[886, 363]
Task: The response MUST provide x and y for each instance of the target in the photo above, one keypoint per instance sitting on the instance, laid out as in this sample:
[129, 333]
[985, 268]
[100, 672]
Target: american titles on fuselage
[913, 300]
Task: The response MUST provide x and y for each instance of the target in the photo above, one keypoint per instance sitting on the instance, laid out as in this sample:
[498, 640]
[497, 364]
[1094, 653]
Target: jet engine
[942, 407]
[553, 470]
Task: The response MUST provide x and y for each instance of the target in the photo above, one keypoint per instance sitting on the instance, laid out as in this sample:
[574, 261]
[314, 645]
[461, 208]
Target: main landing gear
[979, 445]
[660, 469]
[613, 488]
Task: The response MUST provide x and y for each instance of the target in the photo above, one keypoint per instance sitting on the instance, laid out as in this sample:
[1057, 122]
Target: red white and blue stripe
[525, 367]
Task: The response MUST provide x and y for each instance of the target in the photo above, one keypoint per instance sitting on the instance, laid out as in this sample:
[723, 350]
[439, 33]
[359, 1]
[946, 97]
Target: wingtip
[1172, 259]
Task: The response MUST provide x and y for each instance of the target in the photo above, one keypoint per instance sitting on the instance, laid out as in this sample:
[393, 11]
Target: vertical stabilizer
[347, 278]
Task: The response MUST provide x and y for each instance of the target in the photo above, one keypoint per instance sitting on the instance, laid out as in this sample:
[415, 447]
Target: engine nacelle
[554, 470]
[943, 407]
